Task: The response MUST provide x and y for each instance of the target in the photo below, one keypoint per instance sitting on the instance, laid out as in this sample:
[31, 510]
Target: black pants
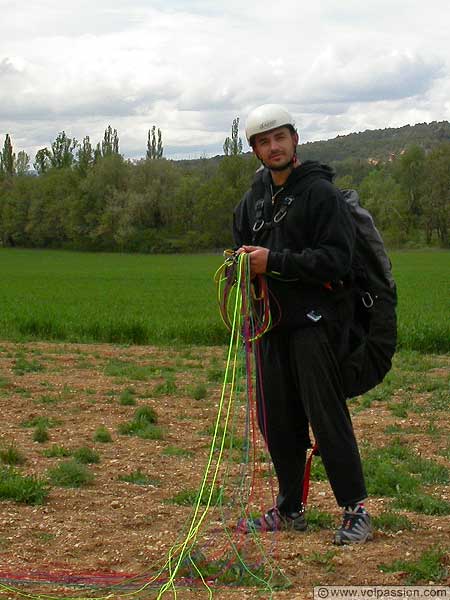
[299, 382]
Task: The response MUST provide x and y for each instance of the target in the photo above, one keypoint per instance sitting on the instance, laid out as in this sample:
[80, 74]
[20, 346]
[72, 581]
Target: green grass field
[124, 298]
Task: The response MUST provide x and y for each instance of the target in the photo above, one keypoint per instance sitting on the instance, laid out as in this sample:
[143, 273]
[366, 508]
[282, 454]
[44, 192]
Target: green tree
[22, 163]
[7, 158]
[382, 196]
[107, 176]
[232, 146]
[155, 147]
[436, 201]
[85, 155]
[110, 143]
[409, 170]
[61, 155]
[42, 161]
[15, 202]
[49, 207]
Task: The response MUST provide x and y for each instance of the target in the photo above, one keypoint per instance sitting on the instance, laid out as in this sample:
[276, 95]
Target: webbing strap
[260, 223]
[307, 475]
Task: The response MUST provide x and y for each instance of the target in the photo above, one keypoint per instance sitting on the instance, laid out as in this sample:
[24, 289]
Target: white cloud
[190, 68]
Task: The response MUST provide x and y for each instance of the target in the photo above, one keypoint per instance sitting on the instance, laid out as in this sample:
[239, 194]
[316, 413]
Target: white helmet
[267, 117]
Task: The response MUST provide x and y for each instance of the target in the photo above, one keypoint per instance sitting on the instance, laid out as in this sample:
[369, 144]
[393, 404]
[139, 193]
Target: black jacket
[310, 247]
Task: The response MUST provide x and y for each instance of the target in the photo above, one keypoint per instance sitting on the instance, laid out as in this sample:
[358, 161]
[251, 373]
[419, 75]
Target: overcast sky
[191, 67]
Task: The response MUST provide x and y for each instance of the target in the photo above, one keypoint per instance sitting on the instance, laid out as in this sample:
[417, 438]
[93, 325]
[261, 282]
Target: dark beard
[281, 167]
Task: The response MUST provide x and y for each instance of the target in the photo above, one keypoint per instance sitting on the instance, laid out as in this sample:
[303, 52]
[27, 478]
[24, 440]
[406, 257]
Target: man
[296, 227]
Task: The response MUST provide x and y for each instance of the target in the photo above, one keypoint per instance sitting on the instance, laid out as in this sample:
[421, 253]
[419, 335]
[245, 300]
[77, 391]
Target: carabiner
[367, 300]
[258, 225]
[280, 215]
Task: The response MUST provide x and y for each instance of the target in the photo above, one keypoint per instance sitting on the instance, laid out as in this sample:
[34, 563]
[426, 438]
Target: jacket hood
[308, 170]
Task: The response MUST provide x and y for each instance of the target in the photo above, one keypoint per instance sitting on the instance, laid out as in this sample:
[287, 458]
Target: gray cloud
[190, 68]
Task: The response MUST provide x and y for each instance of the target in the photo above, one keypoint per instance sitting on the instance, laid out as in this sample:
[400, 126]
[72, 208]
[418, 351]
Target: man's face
[276, 148]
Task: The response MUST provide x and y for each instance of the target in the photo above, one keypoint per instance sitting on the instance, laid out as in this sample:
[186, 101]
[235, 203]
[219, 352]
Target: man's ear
[295, 138]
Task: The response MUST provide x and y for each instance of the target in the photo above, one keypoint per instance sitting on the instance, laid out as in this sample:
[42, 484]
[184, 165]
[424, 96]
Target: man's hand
[258, 258]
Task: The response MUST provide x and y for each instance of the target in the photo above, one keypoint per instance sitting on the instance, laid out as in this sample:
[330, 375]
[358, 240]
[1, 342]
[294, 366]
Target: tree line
[91, 198]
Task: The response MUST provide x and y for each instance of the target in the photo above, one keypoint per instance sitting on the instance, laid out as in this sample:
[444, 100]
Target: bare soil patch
[115, 527]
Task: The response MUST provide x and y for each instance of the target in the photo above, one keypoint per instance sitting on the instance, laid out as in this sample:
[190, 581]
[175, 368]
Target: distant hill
[376, 144]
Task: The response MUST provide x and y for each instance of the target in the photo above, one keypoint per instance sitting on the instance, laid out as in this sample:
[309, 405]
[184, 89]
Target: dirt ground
[111, 530]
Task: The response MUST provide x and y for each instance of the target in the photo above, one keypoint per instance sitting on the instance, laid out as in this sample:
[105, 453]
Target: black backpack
[373, 332]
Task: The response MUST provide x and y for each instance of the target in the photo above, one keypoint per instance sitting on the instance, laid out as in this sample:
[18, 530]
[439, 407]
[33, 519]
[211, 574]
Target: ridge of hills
[375, 145]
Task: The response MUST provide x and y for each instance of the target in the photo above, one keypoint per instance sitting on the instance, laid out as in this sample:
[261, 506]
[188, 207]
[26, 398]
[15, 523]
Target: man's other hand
[258, 258]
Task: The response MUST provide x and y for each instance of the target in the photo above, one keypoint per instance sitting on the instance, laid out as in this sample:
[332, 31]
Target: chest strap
[260, 223]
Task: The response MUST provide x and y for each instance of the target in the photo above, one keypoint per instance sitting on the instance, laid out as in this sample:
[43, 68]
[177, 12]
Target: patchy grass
[102, 435]
[127, 398]
[11, 455]
[318, 470]
[190, 497]
[48, 399]
[324, 559]
[56, 451]
[39, 422]
[392, 522]
[41, 434]
[22, 488]
[166, 388]
[318, 519]
[175, 451]
[143, 425]
[397, 471]
[126, 370]
[431, 566]
[139, 478]
[419, 502]
[70, 474]
[86, 456]
[22, 366]
[198, 392]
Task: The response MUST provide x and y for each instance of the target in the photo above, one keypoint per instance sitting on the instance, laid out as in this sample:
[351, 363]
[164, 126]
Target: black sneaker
[273, 520]
[356, 528]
